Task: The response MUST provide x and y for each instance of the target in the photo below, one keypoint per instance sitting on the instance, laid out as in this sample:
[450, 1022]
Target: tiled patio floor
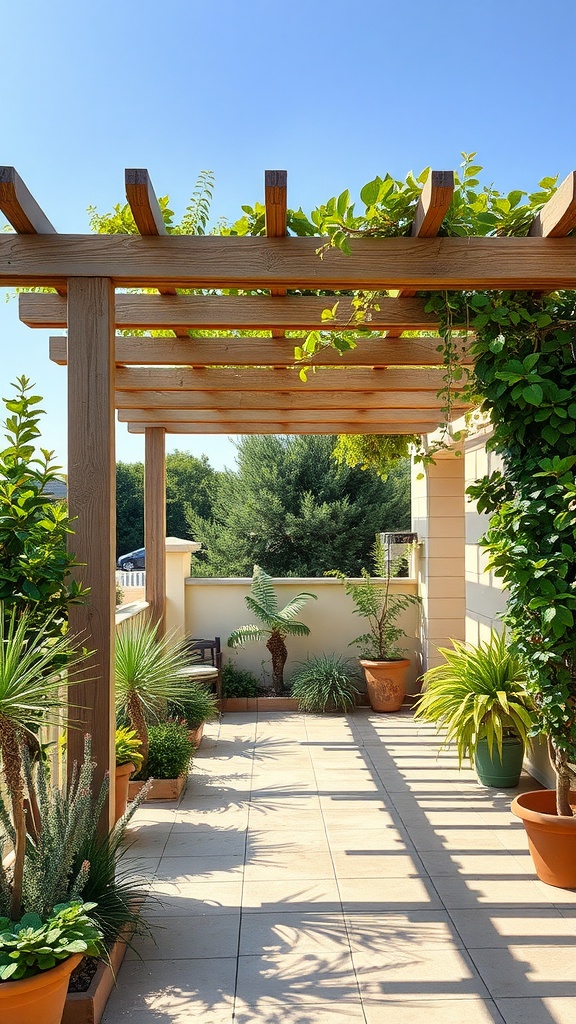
[328, 870]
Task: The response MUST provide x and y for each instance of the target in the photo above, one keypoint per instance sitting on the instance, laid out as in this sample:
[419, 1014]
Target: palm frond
[292, 609]
[148, 666]
[263, 590]
[244, 634]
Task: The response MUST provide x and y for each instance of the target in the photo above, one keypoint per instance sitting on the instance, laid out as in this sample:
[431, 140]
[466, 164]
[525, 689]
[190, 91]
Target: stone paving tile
[320, 870]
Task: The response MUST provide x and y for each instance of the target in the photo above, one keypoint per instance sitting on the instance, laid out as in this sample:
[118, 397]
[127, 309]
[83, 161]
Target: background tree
[292, 510]
[190, 489]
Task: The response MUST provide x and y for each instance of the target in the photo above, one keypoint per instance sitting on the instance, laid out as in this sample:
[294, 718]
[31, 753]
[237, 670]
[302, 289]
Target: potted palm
[381, 655]
[277, 623]
[479, 696]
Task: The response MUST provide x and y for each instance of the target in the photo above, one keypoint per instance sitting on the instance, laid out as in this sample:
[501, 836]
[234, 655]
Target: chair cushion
[198, 672]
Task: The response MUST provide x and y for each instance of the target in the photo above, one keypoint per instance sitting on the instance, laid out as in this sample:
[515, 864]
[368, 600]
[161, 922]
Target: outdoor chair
[205, 662]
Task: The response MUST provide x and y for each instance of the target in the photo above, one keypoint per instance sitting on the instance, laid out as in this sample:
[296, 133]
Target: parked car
[133, 560]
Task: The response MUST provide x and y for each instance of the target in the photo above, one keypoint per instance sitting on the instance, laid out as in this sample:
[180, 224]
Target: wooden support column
[155, 523]
[92, 506]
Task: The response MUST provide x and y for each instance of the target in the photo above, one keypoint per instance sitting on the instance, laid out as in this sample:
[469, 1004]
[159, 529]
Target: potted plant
[169, 757]
[128, 760]
[196, 706]
[149, 671]
[37, 957]
[479, 696]
[381, 656]
[324, 683]
[240, 688]
[278, 623]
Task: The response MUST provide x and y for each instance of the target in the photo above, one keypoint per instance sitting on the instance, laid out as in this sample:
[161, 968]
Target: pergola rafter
[190, 385]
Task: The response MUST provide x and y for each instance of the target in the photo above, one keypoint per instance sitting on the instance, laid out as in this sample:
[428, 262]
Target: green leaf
[533, 394]
[370, 193]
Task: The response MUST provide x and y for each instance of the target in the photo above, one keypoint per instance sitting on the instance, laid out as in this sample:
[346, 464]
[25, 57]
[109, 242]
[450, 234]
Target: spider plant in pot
[381, 655]
[277, 623]
[479, 696]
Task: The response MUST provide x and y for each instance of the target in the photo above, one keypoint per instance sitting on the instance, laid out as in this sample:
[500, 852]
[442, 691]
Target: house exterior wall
[214, 607]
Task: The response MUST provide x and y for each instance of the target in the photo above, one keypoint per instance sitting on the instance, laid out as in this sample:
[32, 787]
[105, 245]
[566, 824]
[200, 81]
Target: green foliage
[31, 946]
[196, 705]
[291, 509]
[120, 220]
[238, 682]
[380, 608]
[170, 751]
[190, 489]
[128, 748]
[477, 693]
[379, 452]
[34, 563]
[324, 683]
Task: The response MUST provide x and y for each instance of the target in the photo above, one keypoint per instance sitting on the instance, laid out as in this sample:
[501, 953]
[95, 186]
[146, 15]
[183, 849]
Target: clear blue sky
[333, 91]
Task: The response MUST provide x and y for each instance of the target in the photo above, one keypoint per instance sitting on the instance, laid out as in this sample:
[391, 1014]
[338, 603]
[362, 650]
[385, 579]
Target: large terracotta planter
[551, 837]
[195, 735]
[121, 782]
[385, 683]
[37, 1000]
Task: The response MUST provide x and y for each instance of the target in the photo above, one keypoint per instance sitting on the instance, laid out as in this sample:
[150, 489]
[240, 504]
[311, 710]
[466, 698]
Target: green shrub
[197, 705]
[238, 682]
[31, 946]
[170, 751]
[324, 683]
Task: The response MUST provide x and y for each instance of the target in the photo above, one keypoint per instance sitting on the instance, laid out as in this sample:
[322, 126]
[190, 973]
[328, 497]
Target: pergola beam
[345, 414]
[433, 204]
[287, 426]
[145, 351]
[279, 400]
[231, 312]
[211, 261]
[143, 202]
[276, 205]
[341, 380]
[19, 206]
[558, 217]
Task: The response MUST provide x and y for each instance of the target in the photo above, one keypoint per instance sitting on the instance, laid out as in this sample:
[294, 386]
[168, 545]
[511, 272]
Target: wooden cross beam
[558, 217]
[146, 351]
[279, 400]
[276, 204]
[346, 414]
[231, 312]
[287, 426]
[340, 380]
[212, 261]
[21, 209]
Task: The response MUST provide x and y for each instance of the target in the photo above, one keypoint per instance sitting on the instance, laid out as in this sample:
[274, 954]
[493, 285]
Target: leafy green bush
[238, 682]
[170, 751]
[30, 945]
[197, 705]
[324, 683]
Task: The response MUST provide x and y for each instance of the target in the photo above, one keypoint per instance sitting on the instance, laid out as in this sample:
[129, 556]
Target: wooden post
[155, 523]
[92, 506]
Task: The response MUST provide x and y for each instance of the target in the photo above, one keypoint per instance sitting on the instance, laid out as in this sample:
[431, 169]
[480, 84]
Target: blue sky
[333, 91]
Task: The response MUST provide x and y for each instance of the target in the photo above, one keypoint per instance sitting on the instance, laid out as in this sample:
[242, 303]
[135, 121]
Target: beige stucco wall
[438, 519]
[214, 607]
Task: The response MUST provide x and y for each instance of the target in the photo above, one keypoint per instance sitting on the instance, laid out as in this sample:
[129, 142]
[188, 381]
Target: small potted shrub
[196, 707]
[381, 656]
[128, 760]
[324, 683]
[479, 696]
[169, 757]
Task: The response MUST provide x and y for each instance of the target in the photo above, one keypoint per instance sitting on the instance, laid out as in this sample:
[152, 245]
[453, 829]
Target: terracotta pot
[551, 837]
[39, 999]
[385, 683]
[121, 781]
[195, 735]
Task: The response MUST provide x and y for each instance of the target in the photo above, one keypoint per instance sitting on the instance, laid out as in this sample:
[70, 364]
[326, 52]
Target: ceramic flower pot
[551, 837]
[500, 772]
[385, 683]
[39, 999]
[121, 783]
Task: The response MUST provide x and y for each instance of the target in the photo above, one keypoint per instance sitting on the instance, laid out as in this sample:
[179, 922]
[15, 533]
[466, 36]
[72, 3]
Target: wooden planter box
[162, 789]
[258, 704]
[88, 1007]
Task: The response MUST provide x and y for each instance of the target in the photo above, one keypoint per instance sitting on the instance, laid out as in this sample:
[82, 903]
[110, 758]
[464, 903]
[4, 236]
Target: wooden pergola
[240, 383]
